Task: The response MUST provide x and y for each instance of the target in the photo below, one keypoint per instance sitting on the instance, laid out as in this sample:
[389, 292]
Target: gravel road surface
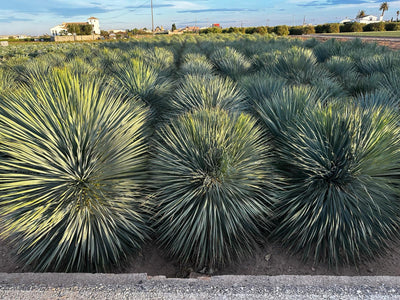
[140, 286]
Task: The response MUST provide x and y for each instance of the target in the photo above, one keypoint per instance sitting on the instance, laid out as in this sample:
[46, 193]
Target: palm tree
[397, 13]
[384, 7]
[361, 14]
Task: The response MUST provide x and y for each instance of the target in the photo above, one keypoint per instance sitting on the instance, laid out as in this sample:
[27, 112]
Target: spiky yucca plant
[72, 185]
[206, 91]
[329, 88]
[81, 67]
[383, 63]
[261, 86]
[380, 97]
[279, 111]
[141, 80]
[7, 80]
[196, 64]
[214, 181]
[391, 82]
[298, 66]
[341, 201]
[341, 66]
[231, 62]
[160, 59]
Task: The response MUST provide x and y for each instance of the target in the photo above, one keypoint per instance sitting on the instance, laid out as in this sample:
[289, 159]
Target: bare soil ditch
[270, 260]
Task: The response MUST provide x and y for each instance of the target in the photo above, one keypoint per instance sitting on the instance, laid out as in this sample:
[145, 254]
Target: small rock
[267, 257]
[370, 270]
[313, 269]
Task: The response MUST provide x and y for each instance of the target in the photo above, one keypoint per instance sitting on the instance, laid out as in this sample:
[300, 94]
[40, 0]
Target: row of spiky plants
[318, 169]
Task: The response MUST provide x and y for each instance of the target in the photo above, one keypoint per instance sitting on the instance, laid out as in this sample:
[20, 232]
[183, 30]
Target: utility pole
[152, 18]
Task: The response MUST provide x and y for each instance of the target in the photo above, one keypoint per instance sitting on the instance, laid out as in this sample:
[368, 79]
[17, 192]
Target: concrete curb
[141, 286]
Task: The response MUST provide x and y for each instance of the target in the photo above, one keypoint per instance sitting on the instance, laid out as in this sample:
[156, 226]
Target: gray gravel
[140, 286]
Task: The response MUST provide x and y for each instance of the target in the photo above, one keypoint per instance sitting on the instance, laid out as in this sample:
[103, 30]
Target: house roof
[92, 18]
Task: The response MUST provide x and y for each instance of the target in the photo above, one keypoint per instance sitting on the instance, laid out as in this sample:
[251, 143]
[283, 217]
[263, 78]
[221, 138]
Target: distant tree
[281, 30]
[397, 13]
[86, 29]
[361, 14]
[384, 7]
[73, 28]
[104, 33]
[173, 28]
[80, 29]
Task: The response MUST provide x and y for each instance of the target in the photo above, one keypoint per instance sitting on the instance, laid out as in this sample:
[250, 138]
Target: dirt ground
[270, 260]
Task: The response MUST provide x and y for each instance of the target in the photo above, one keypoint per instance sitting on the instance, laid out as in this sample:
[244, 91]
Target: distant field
[369, 33]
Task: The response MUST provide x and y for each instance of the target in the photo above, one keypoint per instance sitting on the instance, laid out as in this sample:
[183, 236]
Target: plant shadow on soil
[269, 260]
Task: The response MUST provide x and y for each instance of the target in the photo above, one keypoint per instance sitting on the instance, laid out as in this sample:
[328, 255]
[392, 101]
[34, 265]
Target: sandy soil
[270, 260]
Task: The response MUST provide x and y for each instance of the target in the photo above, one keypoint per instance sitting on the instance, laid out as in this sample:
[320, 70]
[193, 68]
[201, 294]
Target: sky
[36, 17]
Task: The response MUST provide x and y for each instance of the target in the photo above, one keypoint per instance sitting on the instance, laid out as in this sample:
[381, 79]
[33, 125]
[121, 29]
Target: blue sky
[38, 16]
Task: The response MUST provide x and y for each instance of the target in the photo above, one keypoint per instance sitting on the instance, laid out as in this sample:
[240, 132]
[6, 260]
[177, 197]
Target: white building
[63, 28]
[347, 20]
[96, 25]
[370, 19]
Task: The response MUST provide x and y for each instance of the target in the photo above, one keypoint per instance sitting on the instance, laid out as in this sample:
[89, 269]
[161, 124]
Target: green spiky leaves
[214, 186]
[71, 186]
[341, 203]
[205, 92]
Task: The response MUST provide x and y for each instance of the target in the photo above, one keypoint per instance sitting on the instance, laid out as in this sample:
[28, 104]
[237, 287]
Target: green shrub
[328, 28]
[261, 30]
[341, 203]
[296, 30]
[211, 30]
[281, 30]
[392, 26]
[308, 29]
[320, 29]
[351, 27]
[214, 185]
[72, 185]
[299, 30]
[374, 27]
